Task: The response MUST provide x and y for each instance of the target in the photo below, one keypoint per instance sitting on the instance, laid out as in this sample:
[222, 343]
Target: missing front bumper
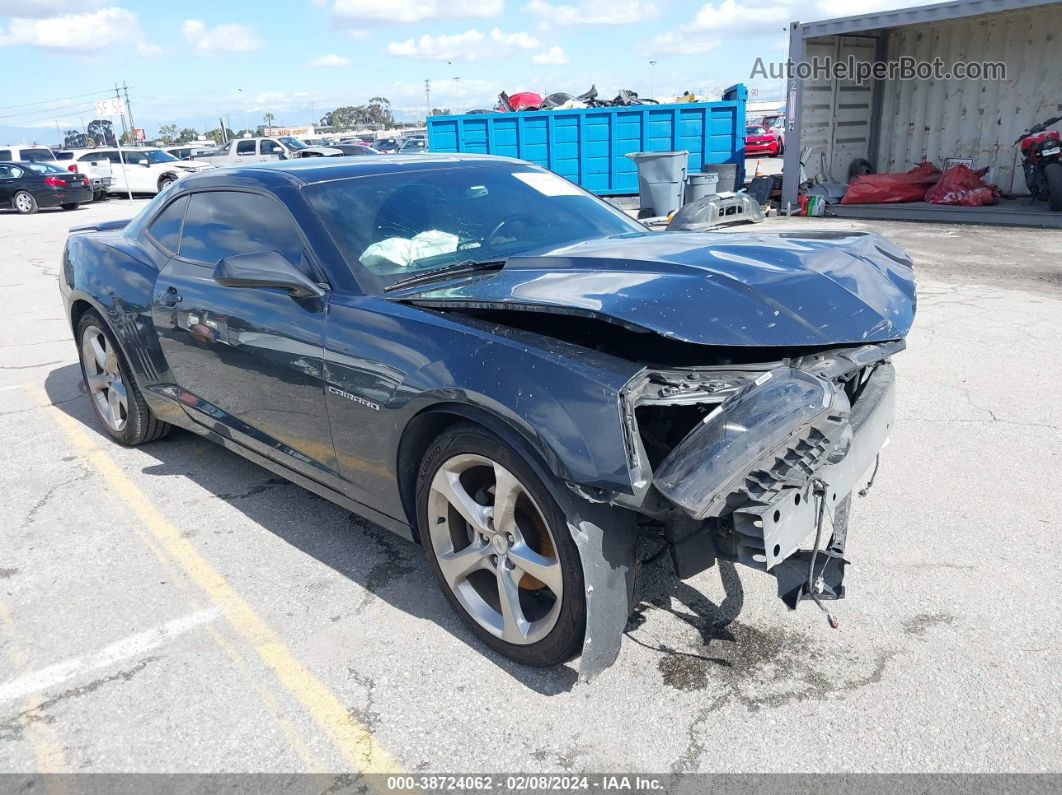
[747, 476]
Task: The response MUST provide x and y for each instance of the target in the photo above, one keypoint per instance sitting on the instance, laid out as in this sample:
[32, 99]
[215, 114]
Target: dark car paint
[46, 195]
[725, 288]
[325, 391]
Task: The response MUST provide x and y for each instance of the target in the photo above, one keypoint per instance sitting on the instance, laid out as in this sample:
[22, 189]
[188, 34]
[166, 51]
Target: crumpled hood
[725, 288]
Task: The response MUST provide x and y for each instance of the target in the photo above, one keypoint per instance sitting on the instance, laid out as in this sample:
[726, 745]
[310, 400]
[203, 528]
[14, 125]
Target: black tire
[71, 205]
[24, 203]
[165, 181]
[564, 641]
[1053, 177]
[140, 425]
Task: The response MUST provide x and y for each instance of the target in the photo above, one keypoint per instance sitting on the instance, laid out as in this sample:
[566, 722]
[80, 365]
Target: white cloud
[472, 45]
[330, 60]
[223, 38]
[94, 30]
[593, 12]
[391, 11]
[46, 8]
[554, 56]
[148, 50]
[681, 42]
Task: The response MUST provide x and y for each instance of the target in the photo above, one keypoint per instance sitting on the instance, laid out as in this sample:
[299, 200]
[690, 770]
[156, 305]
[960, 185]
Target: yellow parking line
[354, 740]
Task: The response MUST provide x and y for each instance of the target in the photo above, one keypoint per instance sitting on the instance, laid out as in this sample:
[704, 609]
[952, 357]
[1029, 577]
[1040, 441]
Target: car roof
[321, 169]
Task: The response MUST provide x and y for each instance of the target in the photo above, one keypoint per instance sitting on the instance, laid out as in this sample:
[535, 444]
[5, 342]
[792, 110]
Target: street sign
[138, 133]
[110, 107]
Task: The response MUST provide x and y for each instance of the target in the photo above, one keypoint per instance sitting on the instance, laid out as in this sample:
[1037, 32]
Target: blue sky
[190, 61]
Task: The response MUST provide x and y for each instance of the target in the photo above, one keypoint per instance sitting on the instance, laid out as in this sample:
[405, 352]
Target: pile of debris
[529, 100]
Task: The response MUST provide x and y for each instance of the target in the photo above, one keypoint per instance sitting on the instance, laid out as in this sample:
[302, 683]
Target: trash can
[700, 185]
[661, 179]
[727, 174]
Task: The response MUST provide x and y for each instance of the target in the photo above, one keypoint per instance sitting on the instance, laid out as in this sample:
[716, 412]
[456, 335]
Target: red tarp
[962, 185]
[909, 186]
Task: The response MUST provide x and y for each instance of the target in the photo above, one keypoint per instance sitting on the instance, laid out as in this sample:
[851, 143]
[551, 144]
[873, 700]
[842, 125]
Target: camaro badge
[355, 398]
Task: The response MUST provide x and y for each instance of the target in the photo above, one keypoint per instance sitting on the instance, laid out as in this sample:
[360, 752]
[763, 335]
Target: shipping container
[897, 123]
[589, 146]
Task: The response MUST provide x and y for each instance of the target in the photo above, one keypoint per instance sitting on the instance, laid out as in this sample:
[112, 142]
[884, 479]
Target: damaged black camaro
[486, 359]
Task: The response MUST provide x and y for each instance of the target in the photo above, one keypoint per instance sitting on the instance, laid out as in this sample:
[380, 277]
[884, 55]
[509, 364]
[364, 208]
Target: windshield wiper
[468, 266]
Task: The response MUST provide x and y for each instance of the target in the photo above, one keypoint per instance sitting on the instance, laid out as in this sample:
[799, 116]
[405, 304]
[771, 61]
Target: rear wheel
[500, 547]
[1053, 177]
[114, 395]
[24, 203]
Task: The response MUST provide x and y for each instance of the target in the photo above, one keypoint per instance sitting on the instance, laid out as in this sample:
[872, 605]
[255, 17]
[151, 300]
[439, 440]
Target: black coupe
[479, 355]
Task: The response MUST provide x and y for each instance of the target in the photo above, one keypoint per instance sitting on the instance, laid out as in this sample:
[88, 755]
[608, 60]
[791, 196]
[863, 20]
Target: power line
[60, 99]
[43, 113]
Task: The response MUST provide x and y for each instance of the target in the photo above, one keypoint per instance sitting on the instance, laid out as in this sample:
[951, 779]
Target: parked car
[98, 170]
[386, 145]
[257, 150]
[355, 149]
[147, 169]
[486, 359]
[27, 154]
[761, 140]
[413, 146]
[187, 151]
[26, 186]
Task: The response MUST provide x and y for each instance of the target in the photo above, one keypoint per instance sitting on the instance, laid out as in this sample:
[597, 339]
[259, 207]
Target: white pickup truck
[99, 174]
[256, 150]
[98, 169]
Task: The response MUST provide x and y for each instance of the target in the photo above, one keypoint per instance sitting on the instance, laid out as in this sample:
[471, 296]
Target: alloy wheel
[24, 202]
[495, 549]
[104, 378]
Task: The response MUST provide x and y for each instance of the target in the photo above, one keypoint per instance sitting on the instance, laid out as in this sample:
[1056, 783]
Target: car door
[139, 171]
[247, 150]
[248, 359]
[271, 150]
[9, 183]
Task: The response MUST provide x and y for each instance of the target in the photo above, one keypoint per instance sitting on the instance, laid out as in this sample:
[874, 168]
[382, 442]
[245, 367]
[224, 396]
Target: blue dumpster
[589, 146]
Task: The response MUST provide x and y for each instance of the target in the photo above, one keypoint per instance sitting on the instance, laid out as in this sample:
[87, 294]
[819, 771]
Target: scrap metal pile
[529, 100]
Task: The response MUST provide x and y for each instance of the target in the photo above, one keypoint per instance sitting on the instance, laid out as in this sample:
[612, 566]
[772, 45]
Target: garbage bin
[700, 185]
[727, 174]
[661, 178]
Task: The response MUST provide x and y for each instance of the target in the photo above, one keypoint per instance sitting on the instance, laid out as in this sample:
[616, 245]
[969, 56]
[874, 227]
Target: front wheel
[500, 547]
[165, 182]
[115, 397]
[70, 205]
[1053, 177]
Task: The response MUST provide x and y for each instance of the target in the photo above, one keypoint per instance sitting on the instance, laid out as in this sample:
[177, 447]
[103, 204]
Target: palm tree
[268, 119]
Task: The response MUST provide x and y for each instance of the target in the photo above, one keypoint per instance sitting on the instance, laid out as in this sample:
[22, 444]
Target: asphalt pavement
[175, 608]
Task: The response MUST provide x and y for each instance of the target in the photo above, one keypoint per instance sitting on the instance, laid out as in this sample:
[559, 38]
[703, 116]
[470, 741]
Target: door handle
[171, 297]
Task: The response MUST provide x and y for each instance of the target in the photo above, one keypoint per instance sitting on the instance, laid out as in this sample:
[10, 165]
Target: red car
[762, 141]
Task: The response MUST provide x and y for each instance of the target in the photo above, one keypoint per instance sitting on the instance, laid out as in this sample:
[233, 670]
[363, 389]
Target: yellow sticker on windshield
[548, 184]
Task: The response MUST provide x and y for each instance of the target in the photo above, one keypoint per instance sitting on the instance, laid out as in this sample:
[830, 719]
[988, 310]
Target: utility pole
[313, 117]
[427, 99]
[652, 80]
[129, 108]
[118, 97]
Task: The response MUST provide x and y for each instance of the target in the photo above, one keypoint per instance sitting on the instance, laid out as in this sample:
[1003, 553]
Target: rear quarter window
[166, 228]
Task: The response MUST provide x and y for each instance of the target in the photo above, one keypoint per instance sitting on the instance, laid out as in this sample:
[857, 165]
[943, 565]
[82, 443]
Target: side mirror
[265, 269]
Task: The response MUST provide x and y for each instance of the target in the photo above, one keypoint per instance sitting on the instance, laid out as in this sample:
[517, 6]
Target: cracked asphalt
[176, 608]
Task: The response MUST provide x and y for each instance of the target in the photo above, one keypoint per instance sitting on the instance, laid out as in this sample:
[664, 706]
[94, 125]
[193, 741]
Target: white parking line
[131, 646]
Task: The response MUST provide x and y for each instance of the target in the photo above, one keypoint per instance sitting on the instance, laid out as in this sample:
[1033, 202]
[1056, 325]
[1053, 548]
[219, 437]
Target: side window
[9, 172]
[271, 148]
[134, 158]
[166, 228]
[5, 154]
[219, 224]
[245, 148]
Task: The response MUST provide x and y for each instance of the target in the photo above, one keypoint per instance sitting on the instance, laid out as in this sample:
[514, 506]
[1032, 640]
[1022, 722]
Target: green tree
[268, 119]
[101, 131]
[219, 136]
[186, 135]
[128, 138]
[168, 133]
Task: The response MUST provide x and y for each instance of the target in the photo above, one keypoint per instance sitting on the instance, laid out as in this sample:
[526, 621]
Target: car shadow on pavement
[385, 565]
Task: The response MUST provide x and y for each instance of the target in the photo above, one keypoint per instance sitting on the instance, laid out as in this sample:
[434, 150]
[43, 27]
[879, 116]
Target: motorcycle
[1041, 159]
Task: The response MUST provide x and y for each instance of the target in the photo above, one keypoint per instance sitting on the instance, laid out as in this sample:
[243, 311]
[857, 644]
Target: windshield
[158, 156]
[292, 143]
[33, 155]
[398, 225]
[45, 168]
[755, 131]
